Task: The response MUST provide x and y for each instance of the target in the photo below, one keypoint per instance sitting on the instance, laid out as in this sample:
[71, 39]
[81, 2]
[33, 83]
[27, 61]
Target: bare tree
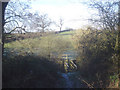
[107, 16]
[45, 22]
[15, 16]
[4, 5]
[60, 24]
[11, 14]
[40, 22]
[119, 41]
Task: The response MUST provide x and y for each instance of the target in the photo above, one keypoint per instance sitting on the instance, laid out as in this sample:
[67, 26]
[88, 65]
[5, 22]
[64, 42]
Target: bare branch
[17, 28]
[107, 14]
[11, 21]
[12, 17]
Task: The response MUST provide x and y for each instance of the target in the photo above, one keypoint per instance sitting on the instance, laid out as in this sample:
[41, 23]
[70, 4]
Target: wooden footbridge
[69, 62]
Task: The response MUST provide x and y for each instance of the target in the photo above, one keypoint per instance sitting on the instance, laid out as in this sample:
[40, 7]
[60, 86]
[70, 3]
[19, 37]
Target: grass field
[43, 45]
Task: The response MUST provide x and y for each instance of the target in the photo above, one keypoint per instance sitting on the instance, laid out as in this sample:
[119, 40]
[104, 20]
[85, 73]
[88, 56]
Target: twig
[90, 86]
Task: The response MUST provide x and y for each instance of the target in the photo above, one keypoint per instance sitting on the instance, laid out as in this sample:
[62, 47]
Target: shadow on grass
[29, 72]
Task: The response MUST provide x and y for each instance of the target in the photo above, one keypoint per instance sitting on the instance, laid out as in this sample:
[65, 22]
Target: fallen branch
[90, 86]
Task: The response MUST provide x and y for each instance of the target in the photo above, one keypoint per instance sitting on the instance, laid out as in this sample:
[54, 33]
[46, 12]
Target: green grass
[43, 45]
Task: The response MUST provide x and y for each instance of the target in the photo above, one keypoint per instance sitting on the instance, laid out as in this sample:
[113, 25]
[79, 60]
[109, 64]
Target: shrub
[97, 55]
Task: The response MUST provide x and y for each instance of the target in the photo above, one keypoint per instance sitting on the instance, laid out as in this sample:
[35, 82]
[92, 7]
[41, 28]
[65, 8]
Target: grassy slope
[42, 42]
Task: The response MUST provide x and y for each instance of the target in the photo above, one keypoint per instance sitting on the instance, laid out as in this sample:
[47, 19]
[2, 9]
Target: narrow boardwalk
[70, 79]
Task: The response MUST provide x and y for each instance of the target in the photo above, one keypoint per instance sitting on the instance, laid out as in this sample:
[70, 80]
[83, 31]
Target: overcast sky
[73, 12]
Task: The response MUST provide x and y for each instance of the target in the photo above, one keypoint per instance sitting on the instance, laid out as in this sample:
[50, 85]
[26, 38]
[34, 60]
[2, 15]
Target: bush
[97, 55]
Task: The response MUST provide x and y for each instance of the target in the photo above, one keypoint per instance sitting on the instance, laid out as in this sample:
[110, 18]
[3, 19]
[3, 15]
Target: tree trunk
[60, 29]
[119, 41]
[4, 4]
